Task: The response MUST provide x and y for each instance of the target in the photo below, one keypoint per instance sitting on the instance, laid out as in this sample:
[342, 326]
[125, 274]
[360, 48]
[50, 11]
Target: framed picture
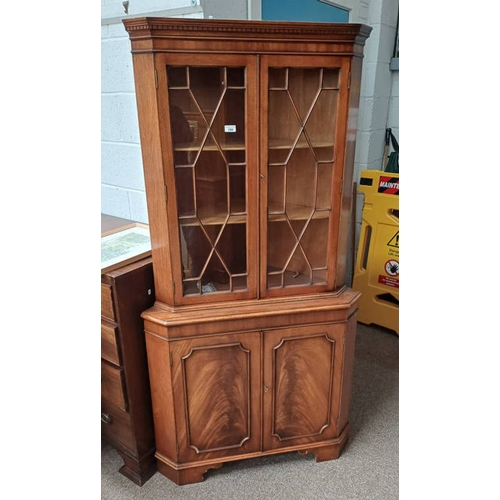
[124, 245]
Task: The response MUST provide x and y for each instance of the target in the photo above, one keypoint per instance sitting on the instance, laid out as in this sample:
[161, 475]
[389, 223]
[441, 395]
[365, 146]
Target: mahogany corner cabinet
[248, 135]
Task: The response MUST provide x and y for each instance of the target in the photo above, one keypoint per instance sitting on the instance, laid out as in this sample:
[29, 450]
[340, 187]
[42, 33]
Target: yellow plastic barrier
[376, 274]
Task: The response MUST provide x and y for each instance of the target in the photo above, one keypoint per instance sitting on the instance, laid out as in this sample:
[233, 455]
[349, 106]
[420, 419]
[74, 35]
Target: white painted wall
[376, 86]
[235, 9]
[122, 176]
[379, 100]
[393, 115]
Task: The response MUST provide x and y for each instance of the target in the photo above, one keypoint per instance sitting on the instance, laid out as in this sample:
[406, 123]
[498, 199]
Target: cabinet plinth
[247, 135]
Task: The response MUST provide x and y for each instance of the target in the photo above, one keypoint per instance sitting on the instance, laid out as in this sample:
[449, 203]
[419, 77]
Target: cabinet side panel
[135, 293]
[152, 157]
[342, 178]
[161, 394]
[350, 149]
[345, 397]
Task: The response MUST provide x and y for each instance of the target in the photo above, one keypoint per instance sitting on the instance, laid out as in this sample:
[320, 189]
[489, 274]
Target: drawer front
[116, 425]
[107, 309]
[109, 344]
[113, 385]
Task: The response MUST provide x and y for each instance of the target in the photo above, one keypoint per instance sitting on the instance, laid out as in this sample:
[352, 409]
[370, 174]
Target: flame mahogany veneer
[264, 364]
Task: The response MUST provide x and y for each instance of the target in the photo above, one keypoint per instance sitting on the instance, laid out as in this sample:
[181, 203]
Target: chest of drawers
[126, 415]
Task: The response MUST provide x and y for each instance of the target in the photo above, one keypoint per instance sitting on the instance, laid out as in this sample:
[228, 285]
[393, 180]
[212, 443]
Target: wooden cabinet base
[250, 379]
[183, 474]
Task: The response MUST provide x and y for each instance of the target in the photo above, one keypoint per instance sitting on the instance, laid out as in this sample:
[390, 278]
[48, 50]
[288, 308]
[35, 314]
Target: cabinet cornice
[157, 29]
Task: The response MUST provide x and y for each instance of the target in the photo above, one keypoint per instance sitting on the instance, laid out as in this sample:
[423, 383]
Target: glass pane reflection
[207, 120]
[302, 115]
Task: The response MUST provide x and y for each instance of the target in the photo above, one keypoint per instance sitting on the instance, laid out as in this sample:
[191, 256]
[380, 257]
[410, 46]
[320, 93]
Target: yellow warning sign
[392, 267]
[394, 241]
[376, 273]
[382, 253]
[393, 246]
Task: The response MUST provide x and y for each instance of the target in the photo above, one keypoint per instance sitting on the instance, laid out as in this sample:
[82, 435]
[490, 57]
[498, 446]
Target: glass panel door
[301, 128]
[207, 119]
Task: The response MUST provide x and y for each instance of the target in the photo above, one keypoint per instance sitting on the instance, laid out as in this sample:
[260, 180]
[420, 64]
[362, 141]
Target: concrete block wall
[376, 86]
[379, 100]
[122, 177]
[393, 116]
[235, 9]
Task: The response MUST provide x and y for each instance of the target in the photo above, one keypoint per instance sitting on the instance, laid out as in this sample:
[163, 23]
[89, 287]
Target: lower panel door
[216, 384]
[303, 369]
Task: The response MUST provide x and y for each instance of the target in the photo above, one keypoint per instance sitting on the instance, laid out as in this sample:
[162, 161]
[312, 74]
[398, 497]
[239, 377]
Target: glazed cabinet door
[303, 131]
[303, 369]
[216, 393]
[208, 120]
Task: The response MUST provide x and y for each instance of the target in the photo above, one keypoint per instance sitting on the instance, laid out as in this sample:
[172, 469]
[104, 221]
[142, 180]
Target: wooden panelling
[113, 385]
[247, 130]
[302, 366]
[125, 394]
[216, 383]
[116, 425]
[109, 344]
[107, 308]
[217, 386]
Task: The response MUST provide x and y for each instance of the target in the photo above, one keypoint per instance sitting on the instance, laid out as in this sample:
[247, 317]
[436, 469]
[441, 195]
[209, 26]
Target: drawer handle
[106, 418]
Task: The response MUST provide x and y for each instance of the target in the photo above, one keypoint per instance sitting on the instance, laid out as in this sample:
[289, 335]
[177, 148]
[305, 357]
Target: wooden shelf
[216, 219]
[189, 146]
[238, 146]
[290, 279]
[214, 216]
[294, 212]
[287, 144]
[239, 284]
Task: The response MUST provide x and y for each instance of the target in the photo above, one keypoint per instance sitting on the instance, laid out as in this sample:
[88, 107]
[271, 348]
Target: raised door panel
[215, 384]
[303, 130]
[302, 384]
[208, 115]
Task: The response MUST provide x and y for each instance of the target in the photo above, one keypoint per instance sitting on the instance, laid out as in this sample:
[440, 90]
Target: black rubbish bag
[393, 161]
